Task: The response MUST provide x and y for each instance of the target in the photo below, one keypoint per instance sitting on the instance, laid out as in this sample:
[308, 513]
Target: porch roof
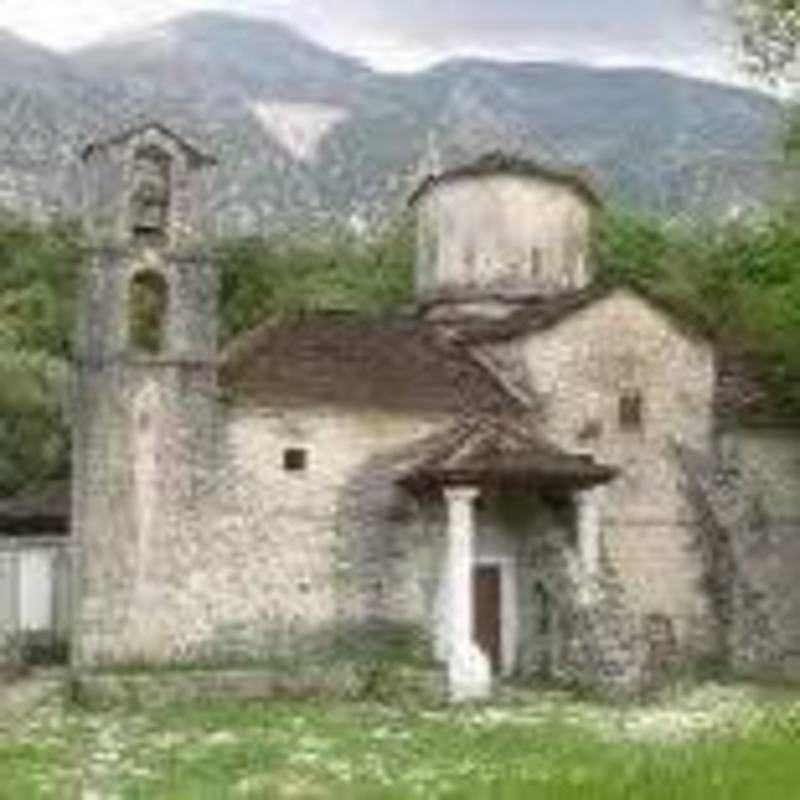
[505, 450]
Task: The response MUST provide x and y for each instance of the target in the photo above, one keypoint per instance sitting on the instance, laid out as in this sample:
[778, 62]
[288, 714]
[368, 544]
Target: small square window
[630, 410]
[295, 459]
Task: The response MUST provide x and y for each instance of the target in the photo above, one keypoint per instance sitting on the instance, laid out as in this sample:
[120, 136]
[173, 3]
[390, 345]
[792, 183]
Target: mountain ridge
[307, 134]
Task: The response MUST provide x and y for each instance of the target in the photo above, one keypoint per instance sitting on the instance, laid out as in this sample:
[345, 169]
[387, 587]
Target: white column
[588, 522]
[469, 671]
[36, 589]
[589, 530]
[460, 557]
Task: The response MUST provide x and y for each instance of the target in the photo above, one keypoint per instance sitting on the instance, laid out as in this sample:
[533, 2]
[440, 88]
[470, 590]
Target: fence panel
[8, 594]
[34, 599]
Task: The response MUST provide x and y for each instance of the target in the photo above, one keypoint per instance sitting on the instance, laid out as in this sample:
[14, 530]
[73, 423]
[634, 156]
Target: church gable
[152, 134]
[145, 187]
[621, 364]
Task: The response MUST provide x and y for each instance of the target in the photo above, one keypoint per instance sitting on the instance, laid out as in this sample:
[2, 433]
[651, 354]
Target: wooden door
[486, 611]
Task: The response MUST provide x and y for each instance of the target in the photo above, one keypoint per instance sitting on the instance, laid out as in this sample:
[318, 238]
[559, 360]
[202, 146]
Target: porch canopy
[500, 451]
[494, 451]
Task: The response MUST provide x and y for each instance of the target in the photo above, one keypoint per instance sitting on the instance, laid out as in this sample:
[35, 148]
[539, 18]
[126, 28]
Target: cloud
[566, 23]
[409, 34]
[63, 26]
[689, 36]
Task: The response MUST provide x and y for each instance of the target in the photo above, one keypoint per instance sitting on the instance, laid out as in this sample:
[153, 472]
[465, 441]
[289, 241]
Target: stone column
[469, 671]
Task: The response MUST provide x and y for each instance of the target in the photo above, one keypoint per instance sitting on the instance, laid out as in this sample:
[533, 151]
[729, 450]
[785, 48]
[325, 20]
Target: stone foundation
[343, 680]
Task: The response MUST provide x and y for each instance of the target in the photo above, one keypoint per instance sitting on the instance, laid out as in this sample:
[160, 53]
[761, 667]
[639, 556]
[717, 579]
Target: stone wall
[206, 547]
[580, 369]
[286, 560]
[145, 442]
[504, 233]
[299, 678]
[190, 324]
[752, 493]
[143, 483]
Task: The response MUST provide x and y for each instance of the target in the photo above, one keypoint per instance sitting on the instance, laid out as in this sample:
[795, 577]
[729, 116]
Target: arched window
[147, 310]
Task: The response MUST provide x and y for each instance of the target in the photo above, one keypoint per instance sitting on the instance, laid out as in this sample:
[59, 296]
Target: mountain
[306, 136]
[215, 58]
[44, 105]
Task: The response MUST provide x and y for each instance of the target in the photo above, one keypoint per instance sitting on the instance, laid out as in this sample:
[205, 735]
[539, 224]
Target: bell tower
[145, 387]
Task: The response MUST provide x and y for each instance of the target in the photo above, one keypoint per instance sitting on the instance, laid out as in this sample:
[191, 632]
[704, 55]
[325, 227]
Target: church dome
[503, 227]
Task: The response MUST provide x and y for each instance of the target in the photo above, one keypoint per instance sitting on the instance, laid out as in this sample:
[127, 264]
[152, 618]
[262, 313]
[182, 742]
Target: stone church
[538, 475]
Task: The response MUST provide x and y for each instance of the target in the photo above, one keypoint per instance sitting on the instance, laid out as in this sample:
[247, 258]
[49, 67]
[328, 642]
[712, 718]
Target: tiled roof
[505, 449]
[404, 362]
[135, 130]
[536, 313]
[497, 162]
[393, 363]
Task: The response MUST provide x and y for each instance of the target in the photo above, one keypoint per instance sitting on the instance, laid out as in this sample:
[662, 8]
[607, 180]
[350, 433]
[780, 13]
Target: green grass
[713, 742]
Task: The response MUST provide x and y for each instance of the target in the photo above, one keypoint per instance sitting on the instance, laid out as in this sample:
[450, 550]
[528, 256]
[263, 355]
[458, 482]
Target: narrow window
[536, 262]
[581, 267]
[469, 263]
[295, 459]
[150, 195]
[147, 310]
[630, 410]
[543, 602]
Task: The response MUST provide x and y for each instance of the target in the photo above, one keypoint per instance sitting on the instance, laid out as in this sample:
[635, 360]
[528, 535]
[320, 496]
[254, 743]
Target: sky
[402, 35]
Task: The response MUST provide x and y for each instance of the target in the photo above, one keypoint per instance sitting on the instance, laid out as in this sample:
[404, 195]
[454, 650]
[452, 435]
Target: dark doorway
[486, 611]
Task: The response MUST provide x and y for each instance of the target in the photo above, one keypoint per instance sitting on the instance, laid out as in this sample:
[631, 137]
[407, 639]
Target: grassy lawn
[710, 742]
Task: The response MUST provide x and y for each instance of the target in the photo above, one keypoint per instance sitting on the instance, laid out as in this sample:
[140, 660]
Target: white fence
[34, 597]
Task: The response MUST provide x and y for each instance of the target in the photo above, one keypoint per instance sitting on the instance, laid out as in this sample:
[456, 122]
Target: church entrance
[486, 612]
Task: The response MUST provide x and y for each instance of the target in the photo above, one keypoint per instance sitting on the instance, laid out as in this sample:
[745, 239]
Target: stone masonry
[235, 507]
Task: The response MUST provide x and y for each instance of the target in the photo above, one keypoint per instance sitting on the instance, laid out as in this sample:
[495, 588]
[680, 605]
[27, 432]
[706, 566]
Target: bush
[34, 648]
[263, 278]
[38, 274]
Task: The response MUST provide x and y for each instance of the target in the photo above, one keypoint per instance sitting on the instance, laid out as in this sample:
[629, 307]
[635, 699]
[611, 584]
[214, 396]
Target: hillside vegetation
[738, 281]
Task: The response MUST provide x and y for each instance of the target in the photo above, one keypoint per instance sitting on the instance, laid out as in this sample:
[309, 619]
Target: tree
[264, 278]
[769, 35]
[38, 269]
